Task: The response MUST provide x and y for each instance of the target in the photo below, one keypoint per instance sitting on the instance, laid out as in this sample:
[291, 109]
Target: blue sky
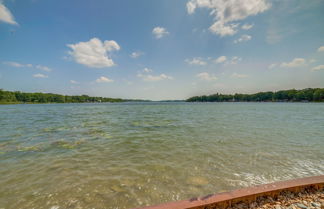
[160, 49]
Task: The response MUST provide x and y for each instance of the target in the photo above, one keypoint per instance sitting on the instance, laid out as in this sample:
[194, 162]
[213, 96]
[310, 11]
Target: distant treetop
[304, 95]
[21, 97]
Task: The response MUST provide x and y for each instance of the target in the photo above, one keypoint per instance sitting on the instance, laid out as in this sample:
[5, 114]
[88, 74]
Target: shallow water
[137, 154]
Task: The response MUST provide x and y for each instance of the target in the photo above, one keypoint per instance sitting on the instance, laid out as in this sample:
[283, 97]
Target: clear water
[137, 154]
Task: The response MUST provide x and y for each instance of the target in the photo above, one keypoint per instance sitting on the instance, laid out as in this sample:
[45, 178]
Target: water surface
[136, 154]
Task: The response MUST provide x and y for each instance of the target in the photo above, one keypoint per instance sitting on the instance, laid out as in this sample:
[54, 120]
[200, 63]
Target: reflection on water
[136, 154]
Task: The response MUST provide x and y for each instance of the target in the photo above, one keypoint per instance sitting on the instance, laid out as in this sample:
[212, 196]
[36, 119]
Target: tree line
[21, 97]
[292, 95]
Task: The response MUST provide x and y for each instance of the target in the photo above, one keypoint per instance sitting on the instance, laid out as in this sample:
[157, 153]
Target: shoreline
[261, 196]
[296, 102]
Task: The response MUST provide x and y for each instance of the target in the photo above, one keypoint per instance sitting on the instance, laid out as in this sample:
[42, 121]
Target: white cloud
[272, 66]
[39, 67]
[104, 79]
[196, 61]
[147, 70]
[159, 32]
[247, 26]
[321, 49]
[243, 38]
[236, 75]
[136, 54]
[297, 62]
[74, 82]
[222, 29]
[16, 64]
[226, 12]
[44, 68]
[317, 68]
[234, 60]
[206, 76]
[228, 61]
[148, 77]
[94, 53]
[221, 59]
[39, 75]
[6, 16]
[111, 45]
[191, 7]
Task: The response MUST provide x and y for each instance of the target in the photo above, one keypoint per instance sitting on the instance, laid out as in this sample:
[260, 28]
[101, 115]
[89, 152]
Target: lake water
[136, 154]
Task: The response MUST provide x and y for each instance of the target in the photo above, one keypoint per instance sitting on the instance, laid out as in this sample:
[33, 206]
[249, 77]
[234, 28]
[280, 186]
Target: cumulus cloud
[94, 53]
[149, 77]
[136, 54]
[44, 68]
[234, 60]
[16, 64]
[159, 32]
[223, 30]
[111, 45]
[297, 62]
[226, 12]
[247, 26]
[196, 61]
[39, 75]
[206, 76]
[147, 70]
[272, 66]
[104, 79]
[6, 16]
[74, 82]
[237, 75]
[243, 38]
[321, 49]
[221, 59]
[317, 68]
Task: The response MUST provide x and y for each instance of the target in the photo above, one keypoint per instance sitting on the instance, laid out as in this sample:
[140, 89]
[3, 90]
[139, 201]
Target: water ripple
[136, 154]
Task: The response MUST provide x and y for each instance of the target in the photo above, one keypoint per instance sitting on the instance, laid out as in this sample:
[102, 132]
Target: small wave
[301, 168]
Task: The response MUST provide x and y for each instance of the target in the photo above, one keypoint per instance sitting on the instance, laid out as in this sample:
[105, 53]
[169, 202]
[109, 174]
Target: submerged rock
[30, 148]
[117, 188]
[127, 182]
[64, 144]
[67, 145]
[197, 180]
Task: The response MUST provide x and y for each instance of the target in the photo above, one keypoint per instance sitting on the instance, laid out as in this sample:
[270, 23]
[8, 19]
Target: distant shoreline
[315, 95]
[296, 102]
[17, 97]
[303, 95]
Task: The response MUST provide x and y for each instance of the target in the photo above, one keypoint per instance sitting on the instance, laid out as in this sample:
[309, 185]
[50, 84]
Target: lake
[127, 155]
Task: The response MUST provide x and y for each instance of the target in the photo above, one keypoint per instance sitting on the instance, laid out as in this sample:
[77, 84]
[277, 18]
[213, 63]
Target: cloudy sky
[163, 49]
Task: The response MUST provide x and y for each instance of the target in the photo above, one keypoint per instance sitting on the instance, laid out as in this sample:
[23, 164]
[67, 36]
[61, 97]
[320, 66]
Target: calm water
[131, 155]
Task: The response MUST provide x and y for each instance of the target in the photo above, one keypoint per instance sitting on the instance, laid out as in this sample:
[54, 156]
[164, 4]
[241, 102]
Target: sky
[160, 50]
